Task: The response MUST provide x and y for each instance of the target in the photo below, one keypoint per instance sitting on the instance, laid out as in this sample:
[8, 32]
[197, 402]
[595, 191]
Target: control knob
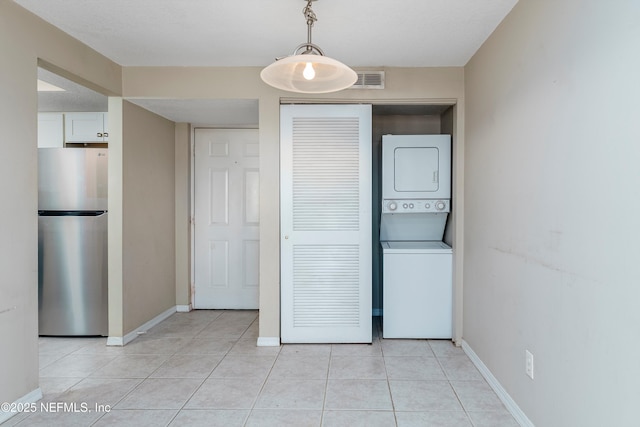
[393, 206]
[440, 205]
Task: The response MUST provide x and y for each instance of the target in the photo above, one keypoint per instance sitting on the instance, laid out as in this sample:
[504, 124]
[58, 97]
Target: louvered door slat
[325, 285]
[325, 173]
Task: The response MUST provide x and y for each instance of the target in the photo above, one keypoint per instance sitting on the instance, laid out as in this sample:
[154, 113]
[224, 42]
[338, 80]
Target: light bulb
[309, 73]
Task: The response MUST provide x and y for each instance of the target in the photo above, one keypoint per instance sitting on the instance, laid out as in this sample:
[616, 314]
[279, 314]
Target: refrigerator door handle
[71, 213]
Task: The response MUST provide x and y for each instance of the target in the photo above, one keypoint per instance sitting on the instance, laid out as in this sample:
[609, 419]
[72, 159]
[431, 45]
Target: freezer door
[72, 270]
[72, 179]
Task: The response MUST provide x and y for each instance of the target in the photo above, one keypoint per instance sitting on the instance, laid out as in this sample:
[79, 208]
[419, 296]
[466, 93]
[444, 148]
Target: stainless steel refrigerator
[72, 241]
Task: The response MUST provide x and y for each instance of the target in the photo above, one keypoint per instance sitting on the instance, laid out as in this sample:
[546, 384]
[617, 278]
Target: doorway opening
[410, 119]
[72, 208]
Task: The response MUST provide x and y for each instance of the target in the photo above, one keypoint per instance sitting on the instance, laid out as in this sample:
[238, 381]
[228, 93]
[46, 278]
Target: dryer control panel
[415, 205]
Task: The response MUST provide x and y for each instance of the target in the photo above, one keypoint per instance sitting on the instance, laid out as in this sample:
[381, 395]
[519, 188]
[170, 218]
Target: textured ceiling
[408, 33]
[235, 113]
[360, 33]
[75, 97]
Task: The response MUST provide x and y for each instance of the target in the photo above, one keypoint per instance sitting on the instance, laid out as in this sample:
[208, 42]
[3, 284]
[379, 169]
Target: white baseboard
[115, 341]
[31, 397]
[141, 330]
[511, 405]
[268, 342]
[183, 308]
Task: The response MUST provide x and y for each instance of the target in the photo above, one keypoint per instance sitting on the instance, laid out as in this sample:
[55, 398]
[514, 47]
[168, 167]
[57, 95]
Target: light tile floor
[203, 369]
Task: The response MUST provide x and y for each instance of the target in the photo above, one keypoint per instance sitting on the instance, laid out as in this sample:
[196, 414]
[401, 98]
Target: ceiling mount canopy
[307, 69]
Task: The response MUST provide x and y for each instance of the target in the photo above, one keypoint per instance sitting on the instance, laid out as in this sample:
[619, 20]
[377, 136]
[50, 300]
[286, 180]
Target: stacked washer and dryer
[417, 264]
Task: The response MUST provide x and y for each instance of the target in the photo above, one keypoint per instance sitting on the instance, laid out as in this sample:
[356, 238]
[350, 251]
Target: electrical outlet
[529, 363]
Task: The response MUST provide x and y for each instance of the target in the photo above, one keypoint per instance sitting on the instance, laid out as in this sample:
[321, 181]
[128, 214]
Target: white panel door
[227, 212]
[325, 211]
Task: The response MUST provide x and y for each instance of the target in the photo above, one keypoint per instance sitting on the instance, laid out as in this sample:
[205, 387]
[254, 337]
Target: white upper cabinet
[86, 127]
[50, 130]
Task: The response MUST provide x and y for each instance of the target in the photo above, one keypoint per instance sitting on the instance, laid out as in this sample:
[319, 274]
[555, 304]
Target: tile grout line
[264, 382]
[451, 385]
[175, 352]
[142, 382]
[386, 372]
[235, 341]
[203, 380]
[326, 386]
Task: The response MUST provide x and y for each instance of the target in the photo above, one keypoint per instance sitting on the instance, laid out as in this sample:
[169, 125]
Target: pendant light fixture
[307, 70]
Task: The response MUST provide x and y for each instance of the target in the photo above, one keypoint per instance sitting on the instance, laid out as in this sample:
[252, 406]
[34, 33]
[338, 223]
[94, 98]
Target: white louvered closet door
[325, 196]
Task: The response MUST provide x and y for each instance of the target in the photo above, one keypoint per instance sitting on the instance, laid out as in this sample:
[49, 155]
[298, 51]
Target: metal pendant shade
[307, 70]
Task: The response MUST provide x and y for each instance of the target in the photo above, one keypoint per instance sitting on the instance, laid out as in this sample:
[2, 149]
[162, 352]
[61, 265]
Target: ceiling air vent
[369, 80]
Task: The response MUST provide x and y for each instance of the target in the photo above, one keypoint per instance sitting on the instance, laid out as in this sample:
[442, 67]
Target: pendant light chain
[311, 19]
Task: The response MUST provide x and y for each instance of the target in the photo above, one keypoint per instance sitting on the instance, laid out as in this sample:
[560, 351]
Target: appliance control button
[393, 206]
[410, 205]
[440, 205]
[427, 206]
[404, 205]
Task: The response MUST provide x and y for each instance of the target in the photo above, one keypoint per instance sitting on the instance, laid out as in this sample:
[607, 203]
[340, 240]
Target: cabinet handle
[106, 134]
[99, 135]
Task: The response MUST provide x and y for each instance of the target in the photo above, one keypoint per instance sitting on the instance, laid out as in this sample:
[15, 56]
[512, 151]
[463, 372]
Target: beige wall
[24, 39]
[552, 210]
[183, 214]
[115, 227]
[402, 85]
[148, 243]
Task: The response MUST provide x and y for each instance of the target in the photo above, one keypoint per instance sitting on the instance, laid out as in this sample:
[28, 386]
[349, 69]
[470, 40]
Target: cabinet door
[325, 208]
[50, 130]
[84, 127]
